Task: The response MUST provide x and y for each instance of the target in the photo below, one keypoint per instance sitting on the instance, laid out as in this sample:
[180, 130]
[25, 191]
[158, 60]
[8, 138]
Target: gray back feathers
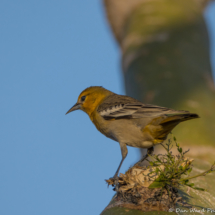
[117, 107]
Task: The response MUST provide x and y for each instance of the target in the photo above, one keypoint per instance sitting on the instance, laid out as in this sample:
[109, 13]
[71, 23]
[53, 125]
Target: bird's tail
[169, 122]
[179, 117]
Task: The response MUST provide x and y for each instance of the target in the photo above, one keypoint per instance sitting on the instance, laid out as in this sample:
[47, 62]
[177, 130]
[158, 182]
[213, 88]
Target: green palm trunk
[165, 61]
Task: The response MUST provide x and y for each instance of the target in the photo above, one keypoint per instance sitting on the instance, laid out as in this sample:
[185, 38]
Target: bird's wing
[127, 107]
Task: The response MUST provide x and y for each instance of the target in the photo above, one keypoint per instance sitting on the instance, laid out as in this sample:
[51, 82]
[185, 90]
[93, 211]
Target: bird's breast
[123, 130]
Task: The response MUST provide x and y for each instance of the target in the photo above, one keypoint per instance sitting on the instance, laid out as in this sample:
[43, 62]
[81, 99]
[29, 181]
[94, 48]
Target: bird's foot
[140, 162]
[114, 181]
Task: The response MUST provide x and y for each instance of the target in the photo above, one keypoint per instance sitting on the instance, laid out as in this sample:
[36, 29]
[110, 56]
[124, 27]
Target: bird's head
[89, 99]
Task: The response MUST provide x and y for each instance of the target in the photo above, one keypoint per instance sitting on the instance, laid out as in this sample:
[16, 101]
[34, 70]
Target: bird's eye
[83, 98]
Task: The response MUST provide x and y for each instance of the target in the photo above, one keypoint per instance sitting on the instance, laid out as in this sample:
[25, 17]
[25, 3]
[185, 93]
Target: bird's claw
[115, 182]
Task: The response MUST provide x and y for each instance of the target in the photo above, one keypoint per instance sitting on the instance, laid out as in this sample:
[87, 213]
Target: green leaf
[199, 188]
[180, 150]
[189, 170]
[185, 181]
[151, 163]
[157, 184]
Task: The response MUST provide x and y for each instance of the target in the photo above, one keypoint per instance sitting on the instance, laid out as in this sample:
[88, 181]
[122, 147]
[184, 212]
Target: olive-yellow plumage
[127, 120]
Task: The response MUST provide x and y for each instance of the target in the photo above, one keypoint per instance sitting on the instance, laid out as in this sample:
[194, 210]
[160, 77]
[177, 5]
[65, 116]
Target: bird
[129, 121]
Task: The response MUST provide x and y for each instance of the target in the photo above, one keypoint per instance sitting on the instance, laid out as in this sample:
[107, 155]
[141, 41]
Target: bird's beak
[77, 106]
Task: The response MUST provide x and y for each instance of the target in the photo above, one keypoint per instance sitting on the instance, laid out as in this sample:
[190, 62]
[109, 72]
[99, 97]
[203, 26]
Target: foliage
[176, 168]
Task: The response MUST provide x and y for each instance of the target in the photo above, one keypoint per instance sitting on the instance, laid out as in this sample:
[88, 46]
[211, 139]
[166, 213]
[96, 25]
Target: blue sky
[49, 52]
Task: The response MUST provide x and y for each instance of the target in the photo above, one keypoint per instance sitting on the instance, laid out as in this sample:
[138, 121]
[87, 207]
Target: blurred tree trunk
[165, 61]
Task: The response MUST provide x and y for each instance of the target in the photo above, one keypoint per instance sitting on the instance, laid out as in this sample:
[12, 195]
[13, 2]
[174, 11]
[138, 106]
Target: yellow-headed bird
[127, 120]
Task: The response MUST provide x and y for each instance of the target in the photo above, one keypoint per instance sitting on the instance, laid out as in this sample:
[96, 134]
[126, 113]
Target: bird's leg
[124, 152]
[149, 152]
[117, 171]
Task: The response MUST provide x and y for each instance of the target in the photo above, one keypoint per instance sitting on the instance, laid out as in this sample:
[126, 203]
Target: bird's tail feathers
[180, 117]
[170, 122]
